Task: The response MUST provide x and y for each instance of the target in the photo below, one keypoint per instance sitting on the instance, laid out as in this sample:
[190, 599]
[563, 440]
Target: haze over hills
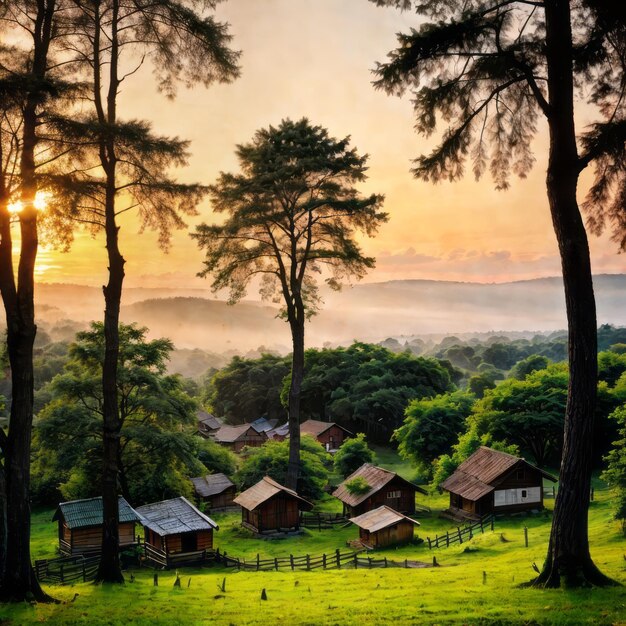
[368, 312]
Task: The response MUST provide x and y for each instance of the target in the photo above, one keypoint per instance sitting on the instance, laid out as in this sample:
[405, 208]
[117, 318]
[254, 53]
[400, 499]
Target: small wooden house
[175, 532]
[80, 525]
[280, 433]
[329, 434]
[237, 437]
[270, 507]
[490, 481]
[208, 424]
[385, 488]
[384, 527]
[216, 490]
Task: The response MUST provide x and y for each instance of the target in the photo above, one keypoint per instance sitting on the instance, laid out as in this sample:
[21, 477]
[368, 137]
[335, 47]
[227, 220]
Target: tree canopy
[352, 454]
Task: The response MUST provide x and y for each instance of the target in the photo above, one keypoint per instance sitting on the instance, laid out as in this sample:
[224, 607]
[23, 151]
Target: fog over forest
[367, 312]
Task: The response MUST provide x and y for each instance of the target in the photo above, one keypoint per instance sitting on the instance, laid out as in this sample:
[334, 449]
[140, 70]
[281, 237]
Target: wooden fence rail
[461, 534]
[67, 569]
[322, 521]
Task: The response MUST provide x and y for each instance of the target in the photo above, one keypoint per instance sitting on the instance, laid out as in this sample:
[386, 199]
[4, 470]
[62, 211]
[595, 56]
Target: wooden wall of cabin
[334, 436]
[397, 495]
[250, 438]
[221, 500]
[520, 477]
[90, 539]
[281, 511]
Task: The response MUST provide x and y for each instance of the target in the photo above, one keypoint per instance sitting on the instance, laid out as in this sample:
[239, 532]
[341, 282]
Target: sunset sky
[314, 59]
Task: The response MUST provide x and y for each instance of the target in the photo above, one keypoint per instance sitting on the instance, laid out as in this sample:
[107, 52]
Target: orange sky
[313, 58]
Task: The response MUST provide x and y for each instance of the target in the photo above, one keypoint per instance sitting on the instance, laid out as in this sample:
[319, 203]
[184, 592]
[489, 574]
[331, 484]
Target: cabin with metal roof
[490, 481]
[384, 527]
[329, 434]
[217, 491]
[80, 525]
[268, 506]
[280, 433]
[385, 488]
[238, 437]
[263, 425]
[208, 424]
[175, 532]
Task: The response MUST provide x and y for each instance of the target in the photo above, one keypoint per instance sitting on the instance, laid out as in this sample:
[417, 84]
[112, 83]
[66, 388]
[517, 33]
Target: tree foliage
[247, 389]
[431, 426]
[272, 459]
[352, 454]
[615, 473]
[158, 451]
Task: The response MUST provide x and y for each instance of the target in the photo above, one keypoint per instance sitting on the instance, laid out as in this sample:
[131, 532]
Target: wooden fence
[461, 534]
[334, 560]
[322, 521]
[67, 569]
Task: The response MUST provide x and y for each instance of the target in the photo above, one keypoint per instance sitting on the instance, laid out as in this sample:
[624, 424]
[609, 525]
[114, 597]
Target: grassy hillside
[451, 594]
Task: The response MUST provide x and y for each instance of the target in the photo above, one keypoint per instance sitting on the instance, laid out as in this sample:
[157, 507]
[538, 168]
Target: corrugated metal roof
[171, 517]
[209, 421]
[262, 424]
[376, 478]
[317, 427]
[479, 473]
[281, 431]
[380, 518]
[88, 512]
[265, 489]
[211, 484]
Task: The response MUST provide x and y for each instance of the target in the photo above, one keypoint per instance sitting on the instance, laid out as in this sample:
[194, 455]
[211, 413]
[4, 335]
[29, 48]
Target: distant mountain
[369, 312]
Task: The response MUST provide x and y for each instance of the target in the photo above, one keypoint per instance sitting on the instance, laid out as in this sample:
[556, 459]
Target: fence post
[471, 534]
[429, 546]
[406, 563]
[338, 557]
[308, 562]
[385, 561]
[447, 539]
[276, 564]
[526, 536]
[324, 560]
[291, 562]
[369, 562]
[257, 561]
[460, 536]
[356, 562]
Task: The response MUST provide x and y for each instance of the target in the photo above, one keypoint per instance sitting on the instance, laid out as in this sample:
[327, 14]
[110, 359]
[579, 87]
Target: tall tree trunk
[109, 570]
[19, 581]
[569, 562]
[297, 374]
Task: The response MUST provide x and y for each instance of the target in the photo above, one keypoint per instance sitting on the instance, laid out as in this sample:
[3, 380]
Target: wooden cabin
[80, 525]
[238, 437]
[270, 507]
[386, 488]
[175, 532]
[384, 527]
[490, 481]
[208, 424]
[217, 491]
[329, 434]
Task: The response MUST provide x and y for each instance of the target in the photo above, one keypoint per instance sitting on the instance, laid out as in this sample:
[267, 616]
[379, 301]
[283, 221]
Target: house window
[394, 494]
[524, 493]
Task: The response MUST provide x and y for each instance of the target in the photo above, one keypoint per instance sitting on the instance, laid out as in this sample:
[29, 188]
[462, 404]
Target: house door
[189, 542]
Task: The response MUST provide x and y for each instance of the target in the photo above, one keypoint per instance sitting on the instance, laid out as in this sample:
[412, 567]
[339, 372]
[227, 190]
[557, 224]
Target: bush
[352, 454]
[358, 486]
[272, 460]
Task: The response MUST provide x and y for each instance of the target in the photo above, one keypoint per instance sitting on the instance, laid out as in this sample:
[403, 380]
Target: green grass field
[477, 583]
[451, 594]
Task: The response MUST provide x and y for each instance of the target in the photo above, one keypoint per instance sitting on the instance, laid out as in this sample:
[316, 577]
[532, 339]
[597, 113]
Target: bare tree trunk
[569, 562]
[109, 570]
[297, 374]
[19, 581]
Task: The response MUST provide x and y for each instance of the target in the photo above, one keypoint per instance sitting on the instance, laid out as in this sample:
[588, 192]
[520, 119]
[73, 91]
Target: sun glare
[40, 203]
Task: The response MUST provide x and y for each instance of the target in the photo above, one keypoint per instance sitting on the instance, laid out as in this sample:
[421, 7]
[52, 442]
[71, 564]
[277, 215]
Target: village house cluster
[176, 531]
